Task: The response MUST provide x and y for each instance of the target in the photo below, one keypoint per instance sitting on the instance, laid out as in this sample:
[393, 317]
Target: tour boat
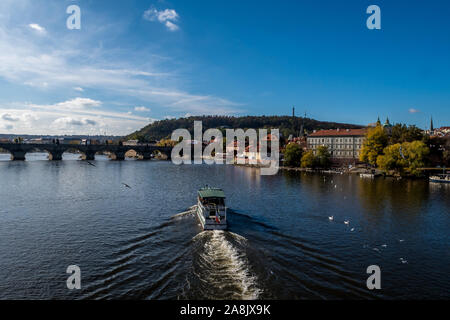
[441, 178]
[211, 210]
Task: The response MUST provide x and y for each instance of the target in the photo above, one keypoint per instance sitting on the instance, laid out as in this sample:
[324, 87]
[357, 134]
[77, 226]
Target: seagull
[403, 260]
[347, 222]
[376, 249]
[384, 245]
[126, 185]
[353, 229]
[91, 164]
[401, 240]
[331, 218]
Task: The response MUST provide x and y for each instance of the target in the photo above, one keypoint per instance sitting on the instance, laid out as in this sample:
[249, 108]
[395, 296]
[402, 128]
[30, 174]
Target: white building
[341, 143]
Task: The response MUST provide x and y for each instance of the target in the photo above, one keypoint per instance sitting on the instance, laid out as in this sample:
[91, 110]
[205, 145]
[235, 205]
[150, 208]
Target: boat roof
[211, 193]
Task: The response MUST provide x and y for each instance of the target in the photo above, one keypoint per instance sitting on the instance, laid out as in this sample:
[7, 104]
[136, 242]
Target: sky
[134, 62]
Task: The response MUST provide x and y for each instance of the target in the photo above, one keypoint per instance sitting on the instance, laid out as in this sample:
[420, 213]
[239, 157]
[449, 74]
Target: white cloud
[172, 26]
[37, 28]
[74, 116]
[7, 127]
[166, 17]
[9, 117]
[79, 89]
[169, 117]
[68, 121]
[79, 103]
[412, 110]
[141, 109]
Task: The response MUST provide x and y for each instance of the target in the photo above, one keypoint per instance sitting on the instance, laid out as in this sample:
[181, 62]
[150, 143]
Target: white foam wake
[227, 269]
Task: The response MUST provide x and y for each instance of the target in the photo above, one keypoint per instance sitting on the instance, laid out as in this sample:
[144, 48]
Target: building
[343, 144]
[441, 132]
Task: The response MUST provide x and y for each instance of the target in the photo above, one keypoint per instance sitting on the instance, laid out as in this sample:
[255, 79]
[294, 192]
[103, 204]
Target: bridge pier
[55, 156]
[118, 156]
[88, 155]
[18, 155]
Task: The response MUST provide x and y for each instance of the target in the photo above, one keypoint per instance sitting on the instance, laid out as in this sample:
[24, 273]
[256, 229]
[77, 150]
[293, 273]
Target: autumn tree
[407, 157]
[308, 160]
[374, 144]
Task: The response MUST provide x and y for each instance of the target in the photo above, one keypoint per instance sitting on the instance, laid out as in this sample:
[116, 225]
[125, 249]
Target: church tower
[431, 124]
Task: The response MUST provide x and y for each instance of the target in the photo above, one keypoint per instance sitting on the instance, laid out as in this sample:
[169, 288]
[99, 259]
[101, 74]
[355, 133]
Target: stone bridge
[55, 151]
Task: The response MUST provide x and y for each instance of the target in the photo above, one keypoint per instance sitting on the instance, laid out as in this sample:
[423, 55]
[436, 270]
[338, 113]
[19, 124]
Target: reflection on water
[141, 243]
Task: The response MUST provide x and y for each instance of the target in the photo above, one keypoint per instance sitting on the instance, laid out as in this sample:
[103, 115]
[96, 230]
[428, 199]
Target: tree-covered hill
[287, 125]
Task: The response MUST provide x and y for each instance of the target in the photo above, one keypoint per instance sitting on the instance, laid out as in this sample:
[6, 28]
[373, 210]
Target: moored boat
[211, 209]
[440, 178]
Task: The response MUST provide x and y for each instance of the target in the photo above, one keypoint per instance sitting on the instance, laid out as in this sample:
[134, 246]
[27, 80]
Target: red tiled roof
[339, 132]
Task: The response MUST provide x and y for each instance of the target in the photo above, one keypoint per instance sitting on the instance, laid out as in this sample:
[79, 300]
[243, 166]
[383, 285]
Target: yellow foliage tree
[407, 157]
[374, 144]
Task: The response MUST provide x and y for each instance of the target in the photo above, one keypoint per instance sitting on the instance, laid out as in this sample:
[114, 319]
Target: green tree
[308, 160]
[407, 157]
[401, 133]
[323, 157]
[374, 144]
[293, 155]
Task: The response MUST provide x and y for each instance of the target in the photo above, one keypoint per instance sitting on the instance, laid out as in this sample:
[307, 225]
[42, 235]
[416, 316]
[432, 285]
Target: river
[133, 243]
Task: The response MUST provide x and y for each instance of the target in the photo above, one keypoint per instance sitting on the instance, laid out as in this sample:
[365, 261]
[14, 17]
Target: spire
[293, 112]
[378, 122]
[431, 125]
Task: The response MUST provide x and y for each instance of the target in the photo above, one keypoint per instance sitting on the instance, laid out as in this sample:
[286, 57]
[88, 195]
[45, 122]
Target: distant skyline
[133, 62]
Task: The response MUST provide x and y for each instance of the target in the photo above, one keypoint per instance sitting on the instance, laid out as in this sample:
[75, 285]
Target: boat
[367, 175]
[440, 178]
[211, 209]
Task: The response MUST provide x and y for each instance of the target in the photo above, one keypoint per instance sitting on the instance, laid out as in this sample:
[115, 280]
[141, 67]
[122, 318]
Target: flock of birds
[347, 223]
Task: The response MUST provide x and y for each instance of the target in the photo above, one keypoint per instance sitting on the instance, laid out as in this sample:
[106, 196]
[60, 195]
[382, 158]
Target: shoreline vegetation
[354, 170]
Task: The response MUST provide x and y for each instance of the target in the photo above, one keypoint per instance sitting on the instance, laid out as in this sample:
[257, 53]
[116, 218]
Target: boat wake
[221, 269]
[185, 213]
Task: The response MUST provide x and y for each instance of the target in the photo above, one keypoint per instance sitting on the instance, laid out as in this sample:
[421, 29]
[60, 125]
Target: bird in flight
[126, 185]
[91, 164]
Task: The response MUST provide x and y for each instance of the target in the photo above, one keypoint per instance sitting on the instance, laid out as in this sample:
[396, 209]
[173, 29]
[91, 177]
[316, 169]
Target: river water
[136, 243]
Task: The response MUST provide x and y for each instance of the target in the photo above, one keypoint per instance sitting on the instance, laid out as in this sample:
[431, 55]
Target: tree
[446, 157]
[166, 143]
[392, 159]
[401, 133]
[407, 157]
[308, 160]
[323, 157]
[374, 144]
[293, 155]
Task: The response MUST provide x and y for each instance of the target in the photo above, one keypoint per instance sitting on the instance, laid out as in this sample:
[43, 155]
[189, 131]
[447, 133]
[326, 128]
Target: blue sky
[133, 62]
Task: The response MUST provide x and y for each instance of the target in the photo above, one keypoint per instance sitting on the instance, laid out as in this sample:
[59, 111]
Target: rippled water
[135, 244]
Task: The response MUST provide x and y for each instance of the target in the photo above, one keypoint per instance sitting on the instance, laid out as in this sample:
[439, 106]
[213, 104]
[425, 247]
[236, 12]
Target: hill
[287, 125]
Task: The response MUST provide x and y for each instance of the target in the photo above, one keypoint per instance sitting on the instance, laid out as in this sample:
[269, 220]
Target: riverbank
[355, 170]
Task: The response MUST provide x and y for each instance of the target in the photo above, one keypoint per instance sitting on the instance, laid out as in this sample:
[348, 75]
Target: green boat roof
[211, 193]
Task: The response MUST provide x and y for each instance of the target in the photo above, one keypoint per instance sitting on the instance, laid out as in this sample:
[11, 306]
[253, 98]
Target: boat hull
[439, 181]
